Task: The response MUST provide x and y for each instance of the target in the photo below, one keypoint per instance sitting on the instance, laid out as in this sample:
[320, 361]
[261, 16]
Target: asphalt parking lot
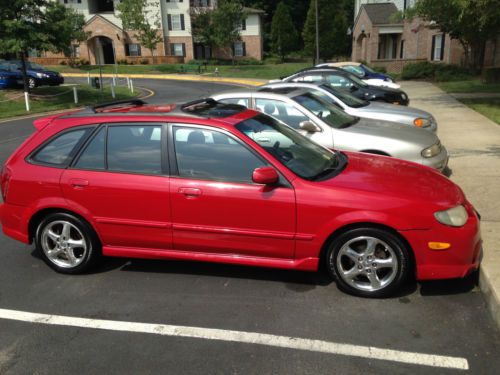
[446, 319]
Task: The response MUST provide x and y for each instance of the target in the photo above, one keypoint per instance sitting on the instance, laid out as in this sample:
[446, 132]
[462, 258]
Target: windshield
[326, 111]
[347, 99]
[356, 80]
[368, 69]
[302, 156]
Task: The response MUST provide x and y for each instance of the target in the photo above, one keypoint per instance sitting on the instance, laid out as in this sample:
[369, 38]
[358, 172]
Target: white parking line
[242, 337]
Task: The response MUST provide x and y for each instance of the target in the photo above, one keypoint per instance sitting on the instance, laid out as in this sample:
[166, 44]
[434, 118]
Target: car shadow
[450, 287]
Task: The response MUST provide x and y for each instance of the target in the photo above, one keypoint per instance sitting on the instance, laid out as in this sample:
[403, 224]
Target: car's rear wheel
[67, 243]
[31, 83]
[368, 262]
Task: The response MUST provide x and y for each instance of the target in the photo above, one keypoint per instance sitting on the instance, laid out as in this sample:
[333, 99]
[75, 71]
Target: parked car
[364, 108]
[138, 181]
[38, 75]
[323, 122]
[9, 79]
[340, 79]
[364, 72]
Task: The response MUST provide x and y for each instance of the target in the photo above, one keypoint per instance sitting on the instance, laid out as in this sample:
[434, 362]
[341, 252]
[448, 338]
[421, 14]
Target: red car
[220, 183]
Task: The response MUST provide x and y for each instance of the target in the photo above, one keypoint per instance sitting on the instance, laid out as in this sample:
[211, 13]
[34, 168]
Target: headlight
[39, 75]
[404, 96]
[432, 151]
[422, 122]
[389, 79]
[455, 217]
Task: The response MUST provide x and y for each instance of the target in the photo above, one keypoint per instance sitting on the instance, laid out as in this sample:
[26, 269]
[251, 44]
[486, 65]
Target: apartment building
[108, 41]
[381, 39]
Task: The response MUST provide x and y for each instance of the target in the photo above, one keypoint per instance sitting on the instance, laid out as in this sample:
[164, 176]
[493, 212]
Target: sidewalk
[474, 145]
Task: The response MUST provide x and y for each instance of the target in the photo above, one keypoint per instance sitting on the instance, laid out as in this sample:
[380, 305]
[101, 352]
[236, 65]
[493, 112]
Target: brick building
[381, 39]
[109, 42]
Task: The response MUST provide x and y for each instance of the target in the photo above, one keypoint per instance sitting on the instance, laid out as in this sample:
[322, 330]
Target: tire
[368, 262]
[67, 243]
[32, 83]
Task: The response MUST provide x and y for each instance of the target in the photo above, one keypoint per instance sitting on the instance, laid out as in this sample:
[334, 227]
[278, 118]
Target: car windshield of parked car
[347, 99]
[326, 111]
[296, 152]
[356, 80]
[357, 70]
[368, 69]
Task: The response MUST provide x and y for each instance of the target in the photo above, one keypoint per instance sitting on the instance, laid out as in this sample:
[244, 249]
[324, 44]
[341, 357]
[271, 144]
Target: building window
[200, 3]
[176, 22]
[178, 49]
[239, 49]
[132, 49]
[75, 50]
[437, 52]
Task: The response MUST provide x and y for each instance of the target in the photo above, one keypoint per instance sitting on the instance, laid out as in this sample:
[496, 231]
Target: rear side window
[134, 149]
[60, 150]
[93, 155]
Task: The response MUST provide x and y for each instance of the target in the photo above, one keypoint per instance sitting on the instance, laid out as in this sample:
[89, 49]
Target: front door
[118, 180]
[216, 208]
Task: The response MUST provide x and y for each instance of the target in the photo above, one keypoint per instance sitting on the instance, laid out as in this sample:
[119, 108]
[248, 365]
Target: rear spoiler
[41, 123]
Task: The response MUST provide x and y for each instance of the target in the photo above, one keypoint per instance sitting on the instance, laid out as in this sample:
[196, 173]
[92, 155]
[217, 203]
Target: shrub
[122, 62]
[63, 62]
[144, 61]
[491, 75]
[380, 69]
[435, 71]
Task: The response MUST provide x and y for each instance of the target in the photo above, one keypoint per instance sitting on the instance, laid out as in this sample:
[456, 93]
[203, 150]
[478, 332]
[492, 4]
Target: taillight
[5, 175]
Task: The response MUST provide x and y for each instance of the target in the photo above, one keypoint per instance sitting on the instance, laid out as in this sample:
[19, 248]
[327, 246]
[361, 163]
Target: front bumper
[463, 256]
[50, 81]
[439, 162]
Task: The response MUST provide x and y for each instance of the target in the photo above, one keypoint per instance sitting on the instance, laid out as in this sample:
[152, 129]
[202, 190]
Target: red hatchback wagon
[220, 183]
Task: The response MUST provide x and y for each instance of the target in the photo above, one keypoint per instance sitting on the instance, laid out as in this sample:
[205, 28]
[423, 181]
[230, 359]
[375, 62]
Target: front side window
[211, 155]
[283, 111]
[62, 149]
[326, 111]
[296, 152]
[134, 149]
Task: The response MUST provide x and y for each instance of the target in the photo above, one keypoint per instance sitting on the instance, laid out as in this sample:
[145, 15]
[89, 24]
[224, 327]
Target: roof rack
[198, 104]
[119, 103]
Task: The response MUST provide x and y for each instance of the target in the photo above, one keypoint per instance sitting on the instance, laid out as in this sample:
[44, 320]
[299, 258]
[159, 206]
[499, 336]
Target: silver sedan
[324, 123]
[364, 108]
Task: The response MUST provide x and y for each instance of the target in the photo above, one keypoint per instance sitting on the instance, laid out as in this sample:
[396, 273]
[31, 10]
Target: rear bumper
[462, 258]
[13, 225]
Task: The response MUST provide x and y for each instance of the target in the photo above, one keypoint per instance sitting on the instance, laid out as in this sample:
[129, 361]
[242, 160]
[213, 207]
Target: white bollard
[88, 78]
[114, 81]
[128, 83]
[27, 101]
[113, 91]
[75, 94]
[131, 86]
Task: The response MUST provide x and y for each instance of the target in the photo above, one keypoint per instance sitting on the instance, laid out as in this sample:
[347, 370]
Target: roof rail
[119, 103]
[195, 103]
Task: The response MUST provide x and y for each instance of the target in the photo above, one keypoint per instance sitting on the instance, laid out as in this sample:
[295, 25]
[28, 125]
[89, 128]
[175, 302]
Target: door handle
[78, 183]
[190, 192]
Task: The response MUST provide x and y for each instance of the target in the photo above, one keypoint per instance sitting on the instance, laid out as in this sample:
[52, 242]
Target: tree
[333, 24]
[221, 26]
[471, 22]
[38, 24]
[283, 32]
[143, 18]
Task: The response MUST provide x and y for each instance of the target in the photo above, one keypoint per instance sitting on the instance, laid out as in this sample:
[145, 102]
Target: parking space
[446, 319]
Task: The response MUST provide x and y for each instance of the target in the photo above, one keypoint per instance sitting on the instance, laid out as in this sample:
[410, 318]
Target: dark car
[37, 74]
[340, 79]
[356, 68]
[8, 78]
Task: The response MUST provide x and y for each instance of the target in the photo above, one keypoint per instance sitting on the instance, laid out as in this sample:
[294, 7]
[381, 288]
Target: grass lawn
[86, 96]
[267, 71]
[490, 107]
[472, 86]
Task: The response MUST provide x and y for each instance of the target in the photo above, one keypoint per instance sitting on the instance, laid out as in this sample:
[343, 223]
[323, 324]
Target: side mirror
[309, 126]
[265, 176]
[353, 88]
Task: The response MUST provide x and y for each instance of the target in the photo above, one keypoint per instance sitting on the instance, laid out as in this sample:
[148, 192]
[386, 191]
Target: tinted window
[134, 149]
[61, 150]
[93, 155]
[210, 155]
[310, 78]
[282, 111]
[240, 101]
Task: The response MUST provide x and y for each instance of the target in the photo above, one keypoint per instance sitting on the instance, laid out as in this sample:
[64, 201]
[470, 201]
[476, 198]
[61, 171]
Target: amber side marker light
[439, 245]
[419, 122]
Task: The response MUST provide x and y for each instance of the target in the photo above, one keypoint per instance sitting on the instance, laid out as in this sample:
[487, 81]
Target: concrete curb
[177, 77]
[490, 294]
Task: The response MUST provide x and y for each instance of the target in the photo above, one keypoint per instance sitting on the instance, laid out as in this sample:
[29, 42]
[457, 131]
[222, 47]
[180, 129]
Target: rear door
[121, 180]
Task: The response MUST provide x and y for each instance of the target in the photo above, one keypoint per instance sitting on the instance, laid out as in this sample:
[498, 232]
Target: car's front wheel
[67, 243]
[368, 262]
[32, 83]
